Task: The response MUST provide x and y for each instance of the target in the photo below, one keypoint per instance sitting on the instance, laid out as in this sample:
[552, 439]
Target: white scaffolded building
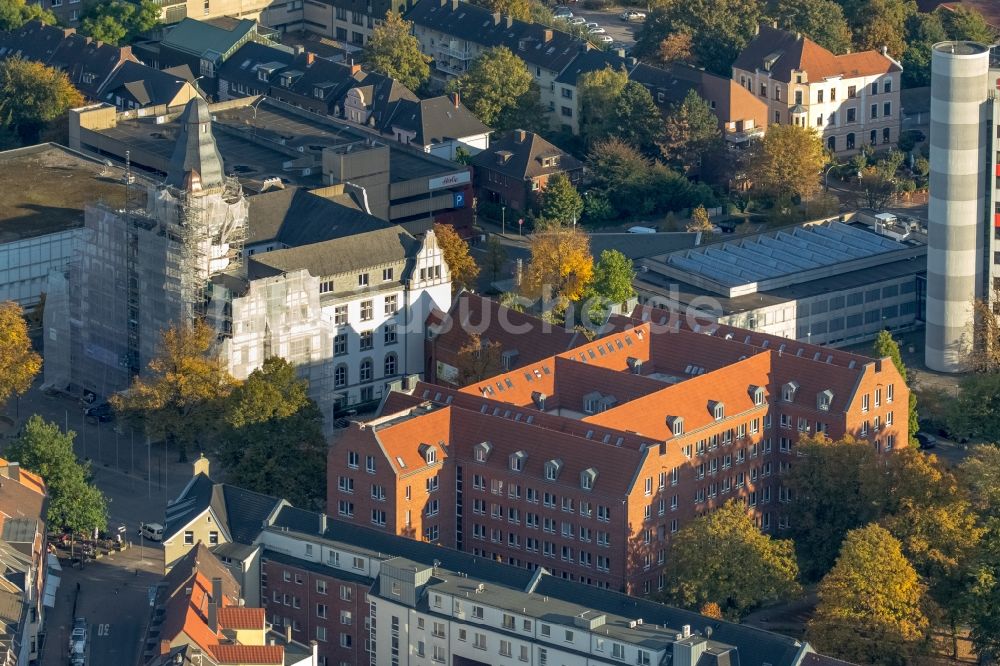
[345, 304]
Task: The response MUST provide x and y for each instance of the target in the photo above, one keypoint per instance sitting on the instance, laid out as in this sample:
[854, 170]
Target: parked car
[926, 440]
[604, 39]
[592, 24]
[101, 413]
[151, 531]
[562, 14]
[597, 30]
[632, 15]
[578, 20]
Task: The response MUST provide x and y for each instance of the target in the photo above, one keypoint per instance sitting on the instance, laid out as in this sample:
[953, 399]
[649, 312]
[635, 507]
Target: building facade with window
[366, 596]
[851, 100]
[586, 462]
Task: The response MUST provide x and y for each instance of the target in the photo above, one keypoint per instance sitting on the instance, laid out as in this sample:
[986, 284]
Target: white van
[151, 531]
[641, 230]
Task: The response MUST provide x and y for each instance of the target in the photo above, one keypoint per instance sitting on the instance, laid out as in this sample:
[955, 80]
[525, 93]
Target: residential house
[851, 100]
[454, 33]
[135, 86]
[439, 125]
[198, 616]
[88, 63]
[212, 514]
[202, 46]
[516, 168]
[587, 462]
[27, 587]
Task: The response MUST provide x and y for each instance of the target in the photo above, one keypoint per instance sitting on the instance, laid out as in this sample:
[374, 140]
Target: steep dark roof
[590, 61]
[532, 42]
[673, 82]
[339, 255]
[241, 67]
[436, 120]
[637, 246]
[142, 84]
[526, 155]
[87, 63]
[240, 512]
[195, 153]
[295, 217]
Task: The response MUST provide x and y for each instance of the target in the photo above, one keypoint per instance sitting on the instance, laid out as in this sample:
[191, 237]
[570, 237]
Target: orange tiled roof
[248, 654]
[241, 617]
[401, 440]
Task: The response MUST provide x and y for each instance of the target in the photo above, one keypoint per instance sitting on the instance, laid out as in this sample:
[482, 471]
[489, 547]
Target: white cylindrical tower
[957, 208]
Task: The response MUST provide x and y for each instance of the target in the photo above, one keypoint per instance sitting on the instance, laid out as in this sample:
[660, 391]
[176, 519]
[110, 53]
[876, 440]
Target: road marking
[104, 629]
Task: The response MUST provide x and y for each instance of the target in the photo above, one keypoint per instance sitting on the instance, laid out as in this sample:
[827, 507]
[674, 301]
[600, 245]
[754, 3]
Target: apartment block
[586, 462]
[851, 100]
[27, 585]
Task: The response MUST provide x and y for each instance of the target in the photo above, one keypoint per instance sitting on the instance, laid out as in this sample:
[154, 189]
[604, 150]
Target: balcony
[452, 52]
[450, 68]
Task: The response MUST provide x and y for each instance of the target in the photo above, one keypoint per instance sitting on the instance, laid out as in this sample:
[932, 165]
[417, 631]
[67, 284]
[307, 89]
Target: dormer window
[262, 74]
[552, 469]
[635, 364]
[517, 461]
[718, 410]
[788, 391]
[676, 424]
[824, 399]
[587, 478]
[591, 401]
[757, 394]
[482, 451]
[429, 453]
[539, 399]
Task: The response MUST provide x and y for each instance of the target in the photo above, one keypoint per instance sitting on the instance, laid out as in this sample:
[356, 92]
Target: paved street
[623, 33]
[113, 597]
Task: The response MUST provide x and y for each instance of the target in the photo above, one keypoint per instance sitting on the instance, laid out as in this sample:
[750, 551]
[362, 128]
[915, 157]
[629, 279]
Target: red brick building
[586, 462]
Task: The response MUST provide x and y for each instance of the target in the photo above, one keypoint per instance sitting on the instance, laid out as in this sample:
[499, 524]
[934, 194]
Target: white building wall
[25, 264]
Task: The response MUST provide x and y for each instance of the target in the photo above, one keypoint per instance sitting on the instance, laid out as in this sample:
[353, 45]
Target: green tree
[520, 10]
[975, 412]
[869, 609]
[922, 32]
[821, 20]
[496, 256]
[462, 155]
[700, 564]
[878, 23]
[788, 162]
[982, 603]
[560, 201]
[962, 22]
[613, 276]
[461, 265]
[74, 503]
[120, 21]
[836, 487]
[637, 118]
[32, 96]
[394, 51]
[18, 361]
[274, 443]
[181, 396]
[500, 90]
[719, 29]
[598, 91]
[15, 13]
[979, 474]
[689, 130]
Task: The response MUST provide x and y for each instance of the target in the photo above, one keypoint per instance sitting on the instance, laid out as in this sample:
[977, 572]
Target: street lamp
[826, 176]
[503, 220]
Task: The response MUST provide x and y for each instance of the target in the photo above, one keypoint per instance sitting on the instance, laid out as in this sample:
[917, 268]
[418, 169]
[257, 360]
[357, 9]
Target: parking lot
[623, 33]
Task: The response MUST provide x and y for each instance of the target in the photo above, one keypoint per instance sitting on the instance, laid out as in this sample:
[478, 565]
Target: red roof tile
[248, 654]
[241, 617]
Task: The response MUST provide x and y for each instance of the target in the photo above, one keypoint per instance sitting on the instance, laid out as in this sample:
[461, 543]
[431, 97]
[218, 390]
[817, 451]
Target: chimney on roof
[774, 24]
[288, 632]
[217, 590]
[164, 647]
[620, 52]
[200, 466]
[520, 135]
[213, 617]
[496, 18]
[455, 99]
[548, 35]
[310, 58]
[454, 5]
[798, 36]
[314, 645]
[355, 67]
[509, 20]
[322, 523]
[885, 50]
[12, 471]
